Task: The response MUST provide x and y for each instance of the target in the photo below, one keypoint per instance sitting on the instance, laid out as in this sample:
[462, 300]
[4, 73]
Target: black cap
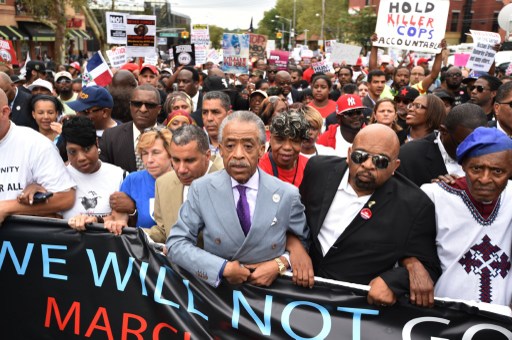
[408, 92]
[442, 94]
[36, 65]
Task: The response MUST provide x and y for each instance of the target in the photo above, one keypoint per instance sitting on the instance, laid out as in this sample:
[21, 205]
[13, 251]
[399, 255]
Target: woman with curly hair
[283, 160]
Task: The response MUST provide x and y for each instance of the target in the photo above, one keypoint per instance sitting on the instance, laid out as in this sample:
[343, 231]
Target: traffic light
[279, 35]
[185, 34]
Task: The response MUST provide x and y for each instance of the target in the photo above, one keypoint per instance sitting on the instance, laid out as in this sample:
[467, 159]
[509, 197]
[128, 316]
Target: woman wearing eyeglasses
[283, 160]
[384, 112]
[321, 86]
[424, 115]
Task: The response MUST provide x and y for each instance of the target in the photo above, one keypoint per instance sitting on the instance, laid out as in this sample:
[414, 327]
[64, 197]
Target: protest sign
[200, 37]
[257, 46]
[460, 59]
[415, 25]
[235, 49]
[184, 55]
[322, 67]
[151, 59]
[117, 56]
[58, 283]
[116, 28]
[345, 53]
[483, 52]
[328, 45]
[271, 45]
[214, 56]
[280, 59]
[141, 35]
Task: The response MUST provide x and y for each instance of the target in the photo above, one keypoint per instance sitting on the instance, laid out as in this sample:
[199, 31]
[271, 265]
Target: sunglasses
[64, 81]
[479, 88]
[88, 112]
[454, 75]
[509, 104]
[148, 106]
[417, 106]
[380, 161]
[402, 100]
[352, 113]
[271, 71]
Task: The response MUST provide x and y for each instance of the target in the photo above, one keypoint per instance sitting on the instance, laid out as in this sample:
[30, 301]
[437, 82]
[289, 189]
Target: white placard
[323, 67]
[415, 25]
[117, 56]
[141, 35]
[200, 37]
[345, 53]
[482, 56]
[116, 28]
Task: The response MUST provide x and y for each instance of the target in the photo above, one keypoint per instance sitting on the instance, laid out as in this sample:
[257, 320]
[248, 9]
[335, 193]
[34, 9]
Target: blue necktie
[242, 210]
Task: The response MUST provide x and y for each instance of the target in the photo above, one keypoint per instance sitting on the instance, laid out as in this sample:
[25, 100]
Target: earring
[99, 151]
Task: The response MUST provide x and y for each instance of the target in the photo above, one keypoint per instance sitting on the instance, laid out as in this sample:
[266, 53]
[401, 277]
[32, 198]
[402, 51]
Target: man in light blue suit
[244, 213]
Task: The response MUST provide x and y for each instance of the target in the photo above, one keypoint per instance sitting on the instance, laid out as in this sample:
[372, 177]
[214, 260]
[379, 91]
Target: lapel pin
[276, 198]
[274, 221]
[366, 213]
[371, 204]
[18, 108]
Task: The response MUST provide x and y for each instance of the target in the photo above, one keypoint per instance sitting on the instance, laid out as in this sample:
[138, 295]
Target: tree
[359, 26]
[216, 36]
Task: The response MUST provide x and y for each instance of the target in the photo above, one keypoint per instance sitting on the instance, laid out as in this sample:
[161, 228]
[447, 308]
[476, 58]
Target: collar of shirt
[252, 183]
[289, 98]
[195, 99]
[11, 127]
[136, 135]
[16, 95]
[444, 154]
[499, 127]
[345, 186]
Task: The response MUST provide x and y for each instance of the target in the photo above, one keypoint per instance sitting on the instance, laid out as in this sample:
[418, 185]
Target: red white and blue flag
[97, 71]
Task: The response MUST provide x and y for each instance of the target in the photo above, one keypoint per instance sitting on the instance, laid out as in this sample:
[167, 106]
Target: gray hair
[188, 133]
[245, 117]
[223, 97]
[147, 87]
[290, 124]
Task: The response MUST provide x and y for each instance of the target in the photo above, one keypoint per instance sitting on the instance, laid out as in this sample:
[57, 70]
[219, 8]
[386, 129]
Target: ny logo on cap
[84, 95]
[351, 101]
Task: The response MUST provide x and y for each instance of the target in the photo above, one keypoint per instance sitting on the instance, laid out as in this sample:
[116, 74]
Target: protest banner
[141, 35]
[184, 55]
[116, 28]
[415, 25]
[200, 38]
[117, 56]
[328, 45]
[460, 59]
[271, 45]
[117, 5]
[58, 283]
[483, 53]
[323, 67]
[214, 56]
[345, 53]
[235, 49]
[257, 46]
[7, 53]
[280, 59]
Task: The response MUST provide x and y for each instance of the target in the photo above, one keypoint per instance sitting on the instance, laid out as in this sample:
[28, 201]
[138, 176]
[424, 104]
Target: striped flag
[97, 71]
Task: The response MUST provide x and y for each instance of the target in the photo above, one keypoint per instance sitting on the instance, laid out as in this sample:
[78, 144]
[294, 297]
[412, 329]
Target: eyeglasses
[352, 113]
[88, 112]
[479, 88]
[380, 161]
[509, 104]
[453, 75]
[271, 71]
[64, 81]
[417, 106]
[148, 106]
[399, 100]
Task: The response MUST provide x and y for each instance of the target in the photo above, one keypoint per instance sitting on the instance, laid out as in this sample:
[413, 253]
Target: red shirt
[292, 176]
[306, 75]
[327, 109]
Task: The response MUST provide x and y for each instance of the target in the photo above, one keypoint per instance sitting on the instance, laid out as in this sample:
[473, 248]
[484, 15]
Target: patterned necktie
[242, 209]
[138, 160]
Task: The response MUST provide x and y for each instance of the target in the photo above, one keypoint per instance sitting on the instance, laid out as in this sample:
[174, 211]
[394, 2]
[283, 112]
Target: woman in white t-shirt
[95, 180]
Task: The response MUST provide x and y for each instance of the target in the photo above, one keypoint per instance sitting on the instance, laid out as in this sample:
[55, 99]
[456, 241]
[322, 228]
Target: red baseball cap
[130, 67]
[422, 61]
[349, 102]
[149, 66]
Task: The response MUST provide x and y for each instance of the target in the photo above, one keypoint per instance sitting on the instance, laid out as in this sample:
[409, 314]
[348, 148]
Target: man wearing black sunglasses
[451, 81]
[364, 219]
[65, 91]
[483, 92]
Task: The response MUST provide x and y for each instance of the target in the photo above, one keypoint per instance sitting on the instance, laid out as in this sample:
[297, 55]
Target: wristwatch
[281, 266]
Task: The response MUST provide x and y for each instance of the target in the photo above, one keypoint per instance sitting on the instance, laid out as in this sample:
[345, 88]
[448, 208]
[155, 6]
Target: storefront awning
[12, 33]
[78, 34]
[38, 31]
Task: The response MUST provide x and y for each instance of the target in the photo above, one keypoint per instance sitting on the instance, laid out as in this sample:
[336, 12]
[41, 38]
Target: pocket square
[274, 221]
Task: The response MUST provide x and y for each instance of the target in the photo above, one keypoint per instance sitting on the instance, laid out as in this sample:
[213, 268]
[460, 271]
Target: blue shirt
[140, 186]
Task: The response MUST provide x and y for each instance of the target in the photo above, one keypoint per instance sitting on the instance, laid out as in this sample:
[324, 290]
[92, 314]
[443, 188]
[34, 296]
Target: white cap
[41, 83]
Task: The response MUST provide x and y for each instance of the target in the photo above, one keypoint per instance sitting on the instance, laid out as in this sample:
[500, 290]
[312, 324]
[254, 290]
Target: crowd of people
[390, 175]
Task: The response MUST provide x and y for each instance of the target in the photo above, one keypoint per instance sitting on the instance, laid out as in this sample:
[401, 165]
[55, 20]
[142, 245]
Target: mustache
[366, 173]
[238, 164]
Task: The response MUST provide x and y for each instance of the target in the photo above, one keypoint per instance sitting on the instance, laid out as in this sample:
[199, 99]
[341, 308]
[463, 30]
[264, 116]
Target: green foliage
[216, 36]
[49, 9]
[360, 26]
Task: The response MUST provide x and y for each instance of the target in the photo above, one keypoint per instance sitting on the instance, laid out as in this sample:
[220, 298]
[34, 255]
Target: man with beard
[297, 82]
[401, 78]
[452, 84]
[63, 87]
[284, 82]
[483, 92]
[365, 218]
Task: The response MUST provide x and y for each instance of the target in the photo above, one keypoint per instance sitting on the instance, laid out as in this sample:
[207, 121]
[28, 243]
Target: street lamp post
[291, 31]
[306, 37]
[282, 32]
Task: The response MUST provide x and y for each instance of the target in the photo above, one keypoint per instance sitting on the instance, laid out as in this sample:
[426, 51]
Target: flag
[251, 29]
[97, 71]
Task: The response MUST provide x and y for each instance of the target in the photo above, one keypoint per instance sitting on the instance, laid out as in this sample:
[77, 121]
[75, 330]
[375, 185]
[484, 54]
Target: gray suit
[211, 208]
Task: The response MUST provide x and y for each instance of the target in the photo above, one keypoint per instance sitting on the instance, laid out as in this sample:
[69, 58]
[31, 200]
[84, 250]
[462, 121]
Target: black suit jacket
[402, 224]
[117, 147]
[296, 95]
[21, 112]
[198, 113]
[421, 160]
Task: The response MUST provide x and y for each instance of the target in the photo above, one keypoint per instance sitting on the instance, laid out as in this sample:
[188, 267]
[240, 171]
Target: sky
[229, 14]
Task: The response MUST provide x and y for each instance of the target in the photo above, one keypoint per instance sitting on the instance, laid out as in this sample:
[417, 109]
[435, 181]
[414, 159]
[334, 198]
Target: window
[455, 21]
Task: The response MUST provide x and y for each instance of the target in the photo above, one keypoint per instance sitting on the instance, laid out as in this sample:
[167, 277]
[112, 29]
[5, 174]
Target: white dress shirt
[251, 192]
[344, 208]
[451, 164]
